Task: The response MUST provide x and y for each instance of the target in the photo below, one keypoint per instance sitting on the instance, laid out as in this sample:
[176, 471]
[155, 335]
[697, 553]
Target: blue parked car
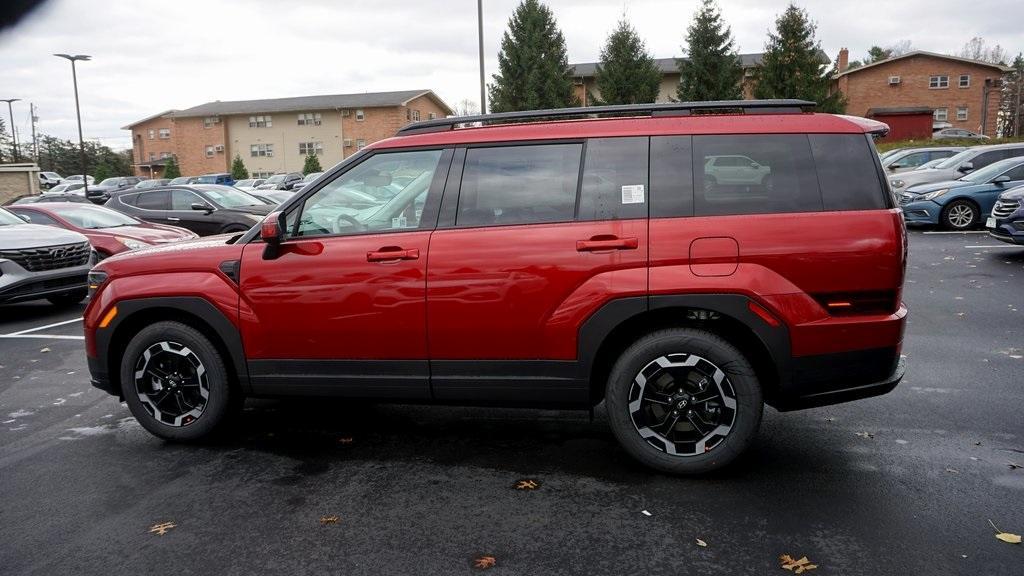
[1007, 220]
[961, 204]
[222, 178]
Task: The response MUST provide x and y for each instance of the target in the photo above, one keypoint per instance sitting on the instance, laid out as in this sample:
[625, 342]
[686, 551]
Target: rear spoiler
[873, 127]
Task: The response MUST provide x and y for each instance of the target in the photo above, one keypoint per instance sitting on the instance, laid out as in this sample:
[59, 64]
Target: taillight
[858, 303]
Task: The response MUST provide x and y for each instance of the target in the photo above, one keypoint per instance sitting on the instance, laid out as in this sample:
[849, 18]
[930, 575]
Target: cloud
[150, 56]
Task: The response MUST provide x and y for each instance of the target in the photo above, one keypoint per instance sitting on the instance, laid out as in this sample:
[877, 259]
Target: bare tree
[978, 49]
[467, 107]
[900, 48]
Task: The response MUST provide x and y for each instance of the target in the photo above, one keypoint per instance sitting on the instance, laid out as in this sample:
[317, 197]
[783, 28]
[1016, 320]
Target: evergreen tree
[171, 169]
[627, 73]
[312, 165]
[238, 171]
[793, 67]
[711, 70]
[102, 172]
[533, 68]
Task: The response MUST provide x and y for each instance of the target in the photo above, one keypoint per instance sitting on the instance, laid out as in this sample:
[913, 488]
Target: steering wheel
[359, 226]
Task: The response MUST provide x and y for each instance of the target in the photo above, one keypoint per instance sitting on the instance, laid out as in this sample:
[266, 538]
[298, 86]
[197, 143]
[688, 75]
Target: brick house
[275, 135]
[962, 93]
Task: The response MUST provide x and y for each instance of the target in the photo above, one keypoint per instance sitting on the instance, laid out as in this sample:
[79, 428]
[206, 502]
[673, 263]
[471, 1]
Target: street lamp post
[78, 113]
[480, 38]
[14, 135]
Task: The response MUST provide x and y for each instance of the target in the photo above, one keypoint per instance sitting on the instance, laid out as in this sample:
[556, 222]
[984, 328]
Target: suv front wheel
[684, 401]
[175, 382]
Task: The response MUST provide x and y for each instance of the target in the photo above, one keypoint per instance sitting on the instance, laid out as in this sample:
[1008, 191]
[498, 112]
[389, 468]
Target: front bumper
[919, 211]
[18, 284]
[1009, 230]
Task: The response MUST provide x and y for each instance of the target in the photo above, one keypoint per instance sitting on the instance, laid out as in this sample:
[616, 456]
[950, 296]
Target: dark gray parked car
[39, 261]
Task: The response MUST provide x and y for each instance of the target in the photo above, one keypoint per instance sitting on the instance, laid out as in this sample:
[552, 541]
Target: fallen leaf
[977, 443]
[527, 484]
[161, 529]
[953, 470]
[484, 562]
[702, 543]
[1014, 465]
[645, 512]
[328, 520]
[345, 440]
[865, 434]
[1005, 536]
[796, 566]
[45, 350]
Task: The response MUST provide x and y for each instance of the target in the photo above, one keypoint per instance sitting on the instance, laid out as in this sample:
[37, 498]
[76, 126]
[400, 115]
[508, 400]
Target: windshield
[989, 172]
[276, 178]
[209, 179]
[93, 217]
[244, 183]
[312, 176]
[229, 197]
[8, 219]
[109, 182]
[885, 155]
[956, 160]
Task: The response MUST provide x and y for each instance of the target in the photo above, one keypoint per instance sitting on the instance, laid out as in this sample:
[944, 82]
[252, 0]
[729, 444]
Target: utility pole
[1016, 110]
[78, 114]
[14, 134]
[480, 35]
[35, 142]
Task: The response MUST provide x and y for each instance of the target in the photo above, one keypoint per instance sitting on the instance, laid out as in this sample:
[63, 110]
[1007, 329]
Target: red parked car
[109, 231]
[539, 259]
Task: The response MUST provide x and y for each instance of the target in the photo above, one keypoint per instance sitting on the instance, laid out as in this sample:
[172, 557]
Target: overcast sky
[151, 56]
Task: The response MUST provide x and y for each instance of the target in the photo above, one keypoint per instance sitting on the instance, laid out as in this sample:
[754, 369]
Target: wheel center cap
[682, 403]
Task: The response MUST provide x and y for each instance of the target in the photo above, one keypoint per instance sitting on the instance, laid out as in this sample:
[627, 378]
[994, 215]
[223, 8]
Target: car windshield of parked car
[956, 160]
[208, 179]
[94, 217]
[343, 206]
[229, 197]
[312, 176]
[8, 219]
[244, 183]
[986, 174]
[276, 178]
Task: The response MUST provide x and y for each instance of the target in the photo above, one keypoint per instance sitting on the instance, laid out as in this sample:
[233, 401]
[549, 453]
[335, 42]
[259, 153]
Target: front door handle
[606, 243]
[392, 254]
[173, 219]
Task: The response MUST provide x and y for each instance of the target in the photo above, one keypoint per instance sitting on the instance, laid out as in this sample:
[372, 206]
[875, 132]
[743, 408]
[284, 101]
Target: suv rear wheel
[175, 382]
[960, 215]
[684, 401]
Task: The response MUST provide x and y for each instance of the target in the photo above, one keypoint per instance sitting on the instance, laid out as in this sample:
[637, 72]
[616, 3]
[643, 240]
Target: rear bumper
[838, 378]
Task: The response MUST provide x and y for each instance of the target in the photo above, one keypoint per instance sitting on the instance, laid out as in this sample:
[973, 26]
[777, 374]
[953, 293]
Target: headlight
[897, 183]
[131, 244]
[934, 195]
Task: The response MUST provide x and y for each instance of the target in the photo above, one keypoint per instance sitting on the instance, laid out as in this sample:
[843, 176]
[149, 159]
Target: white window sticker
[633, 194]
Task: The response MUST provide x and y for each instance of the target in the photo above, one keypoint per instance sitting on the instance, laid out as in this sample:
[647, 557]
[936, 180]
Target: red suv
[684, 263]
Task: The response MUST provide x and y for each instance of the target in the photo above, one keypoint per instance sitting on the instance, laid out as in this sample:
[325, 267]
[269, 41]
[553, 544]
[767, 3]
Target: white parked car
[68, 188]
[78, 178]
[249, 184]
[735, 170]
[49, 179]
[915, 158]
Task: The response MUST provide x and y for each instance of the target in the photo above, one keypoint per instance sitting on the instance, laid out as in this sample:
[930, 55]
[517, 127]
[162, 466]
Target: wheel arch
[195, 312]
[616, 325]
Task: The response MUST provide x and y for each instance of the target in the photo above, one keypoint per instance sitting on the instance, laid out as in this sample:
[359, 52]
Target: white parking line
[55, 324]
[43, 336]
[958, 232]
[994, 246]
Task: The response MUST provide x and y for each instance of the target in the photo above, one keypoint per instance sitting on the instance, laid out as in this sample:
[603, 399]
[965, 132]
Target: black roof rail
[778, 106]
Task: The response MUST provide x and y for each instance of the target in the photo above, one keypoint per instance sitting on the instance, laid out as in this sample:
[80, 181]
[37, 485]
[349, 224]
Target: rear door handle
[605, 243]
[392, 254]
[173, 219]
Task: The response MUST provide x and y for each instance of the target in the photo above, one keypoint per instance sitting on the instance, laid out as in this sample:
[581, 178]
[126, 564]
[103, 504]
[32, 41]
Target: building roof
[900, 111]
[148, 118]
[999, 67]
[300, 103]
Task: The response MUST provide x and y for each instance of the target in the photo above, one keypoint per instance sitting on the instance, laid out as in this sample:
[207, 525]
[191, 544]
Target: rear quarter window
[847, 174]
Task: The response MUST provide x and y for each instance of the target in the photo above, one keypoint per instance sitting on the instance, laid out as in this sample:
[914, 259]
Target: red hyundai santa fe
[684, 263]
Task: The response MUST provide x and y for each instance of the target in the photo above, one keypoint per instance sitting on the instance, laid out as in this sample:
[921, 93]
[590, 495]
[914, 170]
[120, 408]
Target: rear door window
[156, 200]
[765, 174]
[614, 183]
[529, 184]
[846, 172]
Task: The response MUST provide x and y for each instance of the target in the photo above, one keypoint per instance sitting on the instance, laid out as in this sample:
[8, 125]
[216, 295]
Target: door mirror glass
[201, 206]
[1001, 179]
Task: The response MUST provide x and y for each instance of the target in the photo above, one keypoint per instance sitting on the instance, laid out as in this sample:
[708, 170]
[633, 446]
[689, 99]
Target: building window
[209, 151]
[152, 134]
[307, 148]
[260, 122]
[209, 121]
[256, 150]
[309, 119]
[360, 116]
[961, 113]
[415, 115]
[938, 82]
[165, 133]
[965, 80]
[360, 144]
[431, 116]
[152, 156]
[941, 115]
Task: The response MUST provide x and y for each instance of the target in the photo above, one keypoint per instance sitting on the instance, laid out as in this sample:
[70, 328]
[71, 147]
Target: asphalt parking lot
[901, 484]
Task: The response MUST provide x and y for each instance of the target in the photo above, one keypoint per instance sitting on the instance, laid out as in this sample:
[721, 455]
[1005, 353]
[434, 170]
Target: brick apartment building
[584, 80]
[276, 135]
[962, 93]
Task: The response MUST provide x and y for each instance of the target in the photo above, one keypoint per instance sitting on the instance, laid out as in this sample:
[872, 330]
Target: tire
[68, 298]
[174, 349]
[697, 359]
[960, 215]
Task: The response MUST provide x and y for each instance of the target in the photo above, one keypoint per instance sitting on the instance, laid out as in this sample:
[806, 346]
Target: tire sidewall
[749, 398]
[949, 208]
[220, 390]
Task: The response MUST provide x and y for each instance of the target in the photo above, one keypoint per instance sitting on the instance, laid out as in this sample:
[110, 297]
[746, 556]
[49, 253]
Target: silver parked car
[913, 158]
[957, 134]
[957, 165]
[38, 261]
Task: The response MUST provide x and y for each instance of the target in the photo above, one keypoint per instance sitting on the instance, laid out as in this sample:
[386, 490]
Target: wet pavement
[901, 484]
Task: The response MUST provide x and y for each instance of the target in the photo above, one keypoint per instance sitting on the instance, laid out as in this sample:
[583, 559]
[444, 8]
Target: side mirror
[272, 232]
[1001, 179]
[966, 167]
[204, 207]
[25, 218]
[895, 165]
